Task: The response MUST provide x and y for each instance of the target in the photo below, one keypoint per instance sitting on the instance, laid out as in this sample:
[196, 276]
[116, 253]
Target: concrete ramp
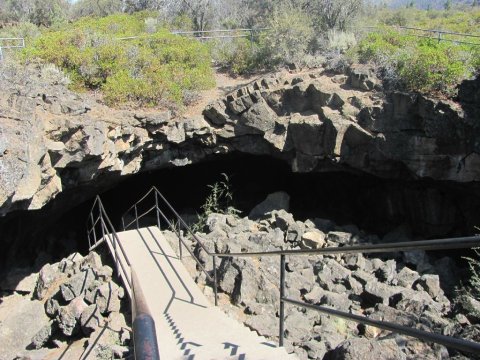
[187, 325]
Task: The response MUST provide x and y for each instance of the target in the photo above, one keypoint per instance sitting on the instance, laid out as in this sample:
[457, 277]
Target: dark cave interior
[431, 209]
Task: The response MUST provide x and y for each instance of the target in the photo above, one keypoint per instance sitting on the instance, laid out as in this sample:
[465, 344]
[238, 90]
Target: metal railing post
[180, 240]
[93, 228]
[282, 303]
[157, 210]
[136, 217]
[215, 290]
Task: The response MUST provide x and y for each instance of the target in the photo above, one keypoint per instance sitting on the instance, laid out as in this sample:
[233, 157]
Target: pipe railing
[143, 325]
[438, 244]
[177, 230]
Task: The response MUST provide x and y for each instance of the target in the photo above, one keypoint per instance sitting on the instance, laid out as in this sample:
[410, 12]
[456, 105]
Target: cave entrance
[430, 209]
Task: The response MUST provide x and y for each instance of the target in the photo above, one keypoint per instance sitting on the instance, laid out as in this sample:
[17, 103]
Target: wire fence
[438, 35]
[10, 43]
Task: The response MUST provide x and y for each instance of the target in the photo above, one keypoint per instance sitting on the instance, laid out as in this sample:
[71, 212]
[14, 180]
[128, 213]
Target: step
[187, 325]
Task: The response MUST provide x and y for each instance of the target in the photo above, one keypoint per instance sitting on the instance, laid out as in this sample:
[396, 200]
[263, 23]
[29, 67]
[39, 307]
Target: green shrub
[289, 35]
[153, 69]
[424, 65]
[240, 55]
[474, 267]
[435, 66]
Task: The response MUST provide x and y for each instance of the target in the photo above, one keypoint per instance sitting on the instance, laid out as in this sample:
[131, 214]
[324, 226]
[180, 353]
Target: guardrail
[438, 35]
[439, 244]
[215, 34]
[11, 43]
[144, 334]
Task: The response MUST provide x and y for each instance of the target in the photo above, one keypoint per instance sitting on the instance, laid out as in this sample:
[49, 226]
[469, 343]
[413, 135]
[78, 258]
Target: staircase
[187, 325]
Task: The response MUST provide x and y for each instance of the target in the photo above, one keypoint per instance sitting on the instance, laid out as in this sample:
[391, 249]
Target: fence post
[94, 229]
[1, 54]
[157, 210]
[282, 304]
[215, 279]
[136, 216]
[180, 251]
[439, 37]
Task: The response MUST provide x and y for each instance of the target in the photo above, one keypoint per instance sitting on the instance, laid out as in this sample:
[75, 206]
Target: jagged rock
[92, 260]
[387, 272]
[91, 319]
[52, 307]
[78, 285]
[360, 77]
[339, 238]
[48, 280]
[282, 219]
[406, 277]
[470, 307]
[42, 337]
[216, 113]
[377, 292]
[68, 316]
[431, 284]
[364, 349]
[337, 301]
[107, 296]
[313, 239]
[263, 324]
[276, 201]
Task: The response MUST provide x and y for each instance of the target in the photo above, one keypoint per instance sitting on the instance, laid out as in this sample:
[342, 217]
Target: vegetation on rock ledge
[149, 69]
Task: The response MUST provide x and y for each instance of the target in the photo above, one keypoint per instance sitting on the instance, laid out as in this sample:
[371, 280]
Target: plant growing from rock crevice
[218, 201]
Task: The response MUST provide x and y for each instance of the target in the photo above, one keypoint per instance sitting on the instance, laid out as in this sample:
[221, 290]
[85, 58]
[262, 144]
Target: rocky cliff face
[53, 140]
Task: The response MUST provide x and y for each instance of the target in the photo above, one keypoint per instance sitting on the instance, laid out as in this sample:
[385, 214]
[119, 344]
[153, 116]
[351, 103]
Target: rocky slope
[408, 288]
[52, 140]
[68, 309]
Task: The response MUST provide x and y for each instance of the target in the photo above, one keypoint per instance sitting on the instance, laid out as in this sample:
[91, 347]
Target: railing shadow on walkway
[438, 244]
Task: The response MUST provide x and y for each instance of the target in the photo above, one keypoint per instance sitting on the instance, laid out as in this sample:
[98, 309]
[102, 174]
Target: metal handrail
[437, 244]
[143, 325]
[159, 213]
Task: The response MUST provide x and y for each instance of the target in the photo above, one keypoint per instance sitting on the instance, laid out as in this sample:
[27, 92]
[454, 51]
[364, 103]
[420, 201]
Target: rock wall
[52, 140]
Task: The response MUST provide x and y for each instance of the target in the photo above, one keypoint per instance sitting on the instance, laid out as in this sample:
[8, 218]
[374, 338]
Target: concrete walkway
[187, 325]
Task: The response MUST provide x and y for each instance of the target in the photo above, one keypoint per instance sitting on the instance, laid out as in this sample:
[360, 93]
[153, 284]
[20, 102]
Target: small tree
[290, 32]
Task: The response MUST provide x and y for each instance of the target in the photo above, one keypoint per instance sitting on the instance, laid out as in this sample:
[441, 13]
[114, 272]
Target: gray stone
[431, 284]
[406, 277]
[470, 307]
[107, 297]
[78, 285]
[264, 324]
[387, 272]
[48, 280]
[42, 337]
[52, 307]
[216, 113]
[339, 237]
[91, 319]
[364, 349]
[313, 239]
[377, 292]
[275, 201]
[283, 219]
[92, 260]
[337, 301]
[68, 316]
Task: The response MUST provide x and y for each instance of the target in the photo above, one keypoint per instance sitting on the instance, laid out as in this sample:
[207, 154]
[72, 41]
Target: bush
[148, 70]
[420, 64]
[287, 40]
[239, 55]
